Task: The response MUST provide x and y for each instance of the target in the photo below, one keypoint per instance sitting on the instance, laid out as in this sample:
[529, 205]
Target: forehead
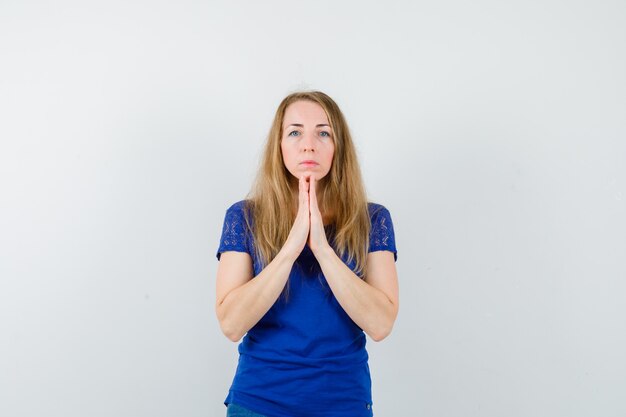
[304, 112]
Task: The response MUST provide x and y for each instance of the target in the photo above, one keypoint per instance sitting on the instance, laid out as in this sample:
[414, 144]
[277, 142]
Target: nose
[308, 142]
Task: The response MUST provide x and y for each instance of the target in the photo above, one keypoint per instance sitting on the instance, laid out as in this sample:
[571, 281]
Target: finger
[311, 185]
[300, 190]
[303, 192]
[312, 192]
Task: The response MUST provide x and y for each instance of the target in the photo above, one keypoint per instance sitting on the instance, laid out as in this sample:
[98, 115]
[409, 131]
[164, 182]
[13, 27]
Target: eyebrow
[301, 125]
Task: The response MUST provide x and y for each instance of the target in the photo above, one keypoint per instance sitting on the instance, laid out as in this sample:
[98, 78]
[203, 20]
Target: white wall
[494, 132]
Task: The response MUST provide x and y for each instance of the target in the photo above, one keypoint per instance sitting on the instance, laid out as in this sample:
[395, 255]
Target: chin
[316, 175]
[313, 172]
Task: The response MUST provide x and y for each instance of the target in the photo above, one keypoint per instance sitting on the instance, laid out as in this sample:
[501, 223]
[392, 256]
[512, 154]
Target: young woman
[306, 268]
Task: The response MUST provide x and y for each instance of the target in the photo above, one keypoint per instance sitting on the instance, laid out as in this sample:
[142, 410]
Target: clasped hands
[308, 227]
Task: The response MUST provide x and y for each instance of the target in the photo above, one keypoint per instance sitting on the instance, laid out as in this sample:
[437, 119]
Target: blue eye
[292, 133]
[325, 134]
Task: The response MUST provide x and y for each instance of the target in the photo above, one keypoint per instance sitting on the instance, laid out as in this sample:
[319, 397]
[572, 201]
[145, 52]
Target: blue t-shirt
[305, 357]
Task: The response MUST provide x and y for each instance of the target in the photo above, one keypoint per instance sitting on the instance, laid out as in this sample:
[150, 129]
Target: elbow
[384, 328]
[233, 337]
[381, 333]
[230, 330]
[231, 333]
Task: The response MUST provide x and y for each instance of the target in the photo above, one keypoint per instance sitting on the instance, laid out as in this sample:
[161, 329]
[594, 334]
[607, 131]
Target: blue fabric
[235, 410]
[305, 357]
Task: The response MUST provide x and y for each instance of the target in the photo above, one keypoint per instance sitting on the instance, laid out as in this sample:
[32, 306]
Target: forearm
[367, 306]
[244, 306]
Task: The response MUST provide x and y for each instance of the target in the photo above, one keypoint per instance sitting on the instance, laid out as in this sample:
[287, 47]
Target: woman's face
[307, 142]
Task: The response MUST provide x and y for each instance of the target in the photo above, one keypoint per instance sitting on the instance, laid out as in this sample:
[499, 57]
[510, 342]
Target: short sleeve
[234, 231]
[382, 236]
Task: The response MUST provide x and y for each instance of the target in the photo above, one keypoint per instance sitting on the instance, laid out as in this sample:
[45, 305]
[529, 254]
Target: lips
[309, 162]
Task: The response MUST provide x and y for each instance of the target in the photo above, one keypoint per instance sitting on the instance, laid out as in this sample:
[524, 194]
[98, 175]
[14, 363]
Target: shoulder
[235, 231]
[377, 210]
[382, 236]
[239, 213]
[380, 219]
[239, 209]
[240, 205]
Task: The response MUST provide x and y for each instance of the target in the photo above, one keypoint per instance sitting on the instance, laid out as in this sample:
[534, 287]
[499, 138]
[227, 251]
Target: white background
[494, 132]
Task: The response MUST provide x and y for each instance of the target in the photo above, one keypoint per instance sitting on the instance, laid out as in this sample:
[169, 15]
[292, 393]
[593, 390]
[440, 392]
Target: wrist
[287, 255]
[325, 251]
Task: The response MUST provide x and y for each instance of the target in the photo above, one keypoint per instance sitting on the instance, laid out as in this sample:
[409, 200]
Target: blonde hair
[272, 202]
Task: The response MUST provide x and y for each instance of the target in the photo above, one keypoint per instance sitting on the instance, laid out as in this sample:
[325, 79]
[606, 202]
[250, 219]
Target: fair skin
[372, 303]
[307, 137]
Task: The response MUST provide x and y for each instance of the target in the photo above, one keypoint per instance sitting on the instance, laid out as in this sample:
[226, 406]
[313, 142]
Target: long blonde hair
[272, 202]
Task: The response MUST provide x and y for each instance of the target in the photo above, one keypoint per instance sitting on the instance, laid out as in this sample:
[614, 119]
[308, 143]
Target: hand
[317, 235]
[300, 230]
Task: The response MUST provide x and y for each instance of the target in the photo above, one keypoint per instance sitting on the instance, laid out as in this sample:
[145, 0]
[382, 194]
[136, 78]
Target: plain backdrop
[493, 131]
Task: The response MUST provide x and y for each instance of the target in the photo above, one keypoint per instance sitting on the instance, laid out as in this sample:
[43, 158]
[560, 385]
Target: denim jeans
[234, 410]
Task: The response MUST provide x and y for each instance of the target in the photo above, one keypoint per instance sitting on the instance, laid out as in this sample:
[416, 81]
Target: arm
[242, 301]
[371, 303]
